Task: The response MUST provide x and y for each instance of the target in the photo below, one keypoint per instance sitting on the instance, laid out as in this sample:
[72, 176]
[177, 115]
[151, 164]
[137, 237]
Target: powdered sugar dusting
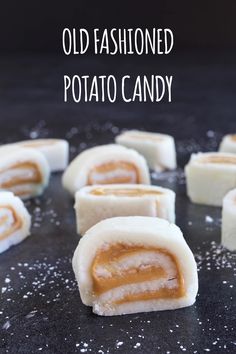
[171, 177]
[40, 302]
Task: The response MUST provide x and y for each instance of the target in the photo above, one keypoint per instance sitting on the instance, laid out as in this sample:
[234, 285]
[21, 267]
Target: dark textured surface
[40, 308]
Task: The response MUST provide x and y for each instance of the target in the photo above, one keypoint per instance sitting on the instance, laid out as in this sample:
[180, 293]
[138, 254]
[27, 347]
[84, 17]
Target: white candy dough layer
[228, 144]
[15, 221]
[228, 236]
[25, 172]
[56, 151]
[158, 149]
[76, 175]
[210, 176]
[151, 234]
[95, 203]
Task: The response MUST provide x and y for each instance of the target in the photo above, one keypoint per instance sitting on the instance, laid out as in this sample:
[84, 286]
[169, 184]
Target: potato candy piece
[135, 264]
[106, 164]
[15, 221]
[95, 203]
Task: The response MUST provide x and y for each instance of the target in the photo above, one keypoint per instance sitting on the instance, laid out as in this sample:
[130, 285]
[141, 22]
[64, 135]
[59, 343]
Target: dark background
[37, 25]
[202, 62]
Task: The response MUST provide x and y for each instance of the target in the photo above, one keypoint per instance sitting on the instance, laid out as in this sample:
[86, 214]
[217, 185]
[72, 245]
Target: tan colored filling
[124, 192]
[36, 178]
[115, 253]
[112, 167]
[15, 226]
[38, 143]
[142, 136]
[233, 137]
[23, 193]
[219, 159]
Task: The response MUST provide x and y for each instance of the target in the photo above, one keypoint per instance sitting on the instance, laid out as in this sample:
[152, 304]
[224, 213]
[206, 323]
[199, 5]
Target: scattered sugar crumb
[137, 345]
[119, 344]
[209, 219]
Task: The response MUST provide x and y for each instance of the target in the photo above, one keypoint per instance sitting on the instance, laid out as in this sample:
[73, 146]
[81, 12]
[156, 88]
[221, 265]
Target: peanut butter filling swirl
[233, 137]
[38, 143]
[20, 178]
[114, 172]
[9, 221]
[124, 273]
[125, 192]
[219, 159]
[146, 137]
